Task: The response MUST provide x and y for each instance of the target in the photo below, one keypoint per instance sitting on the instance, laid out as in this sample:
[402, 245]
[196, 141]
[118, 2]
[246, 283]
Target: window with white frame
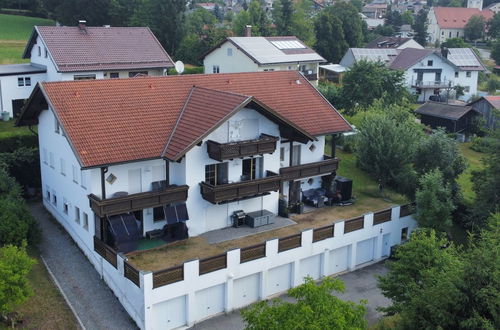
[54, 198]
[39, 51]
[75, 174]
[63, 166]
[215, 69]
[456, 74]
[85, 221]
[65, 206]
[24, 81]
[468, 74]
[47, 193]
[83, 182]
[57, 126]
[46, 53]
[229, 52]
[77, 214]
[44, 156]
[282, 154]
[51, 159]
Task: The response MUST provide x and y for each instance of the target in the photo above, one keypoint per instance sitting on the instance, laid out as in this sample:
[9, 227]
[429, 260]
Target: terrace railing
[131, 273]
[252, 252]
[168, 276]
[382, 216]
[213, 263]
[105, 251]
[289, 242]
[322, 233]
[354, 224]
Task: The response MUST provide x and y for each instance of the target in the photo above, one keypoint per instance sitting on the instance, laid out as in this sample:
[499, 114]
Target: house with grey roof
[250, 54]
[394, 42]
[81, 52]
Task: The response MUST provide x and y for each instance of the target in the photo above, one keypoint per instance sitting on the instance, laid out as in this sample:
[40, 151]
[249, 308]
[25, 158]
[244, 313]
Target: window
[65, 206]
[20, 82]
[442, 33]
[63, 166]
[27, 81]
[456, 74]
[229, 52]
[404, 234]
[56, 125]
[137, 73]
[251, 169]
[468, 74]
[47, 193]
[216, 174]
[83, 178]
[39, 51]
[85, 221]
[158, 214]
[302, 68]
[296, 155]
[77, 214]
[114, 75]
[458, 33]
[268, 70]
[23, 81]
[75, 174]
[44, 155]
[429, 63]
[449, 34]
[312, 147]
[84, 77]
[54, 198]
[51, 159]
[215, 69]
[46, 52]
[282, 154]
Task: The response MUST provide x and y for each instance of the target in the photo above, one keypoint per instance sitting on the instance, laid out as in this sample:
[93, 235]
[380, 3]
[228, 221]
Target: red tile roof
[457, 17]
[120, 120]
[101, 48]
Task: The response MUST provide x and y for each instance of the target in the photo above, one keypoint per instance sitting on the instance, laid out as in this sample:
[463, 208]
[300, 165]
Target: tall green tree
[302, 24]
[474, 29]
[240, 21]
[330, 42]
[351, 22]
[282, 16]
[315, 308]
[495, 51]
[420, 27]
[455, 43]
[494, 26]
[434, 203]
[261, 26]
[69, 12]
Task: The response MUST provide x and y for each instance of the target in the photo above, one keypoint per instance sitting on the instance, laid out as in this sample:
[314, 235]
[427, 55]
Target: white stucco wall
[9, 89]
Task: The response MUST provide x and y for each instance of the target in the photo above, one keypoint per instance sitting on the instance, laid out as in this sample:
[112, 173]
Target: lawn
[7, 129]
[474, 164]
[46, 308]
[14, 33]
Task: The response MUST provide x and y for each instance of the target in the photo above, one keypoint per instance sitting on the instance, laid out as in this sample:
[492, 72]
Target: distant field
[14, 33]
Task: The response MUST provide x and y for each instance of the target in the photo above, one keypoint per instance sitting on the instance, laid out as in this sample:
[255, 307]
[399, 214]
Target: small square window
[39, 51]
[404, 234]
[114, 75]
[63, 166]
[429, 63]
[468, 74]
[77, 214]
[54, 198]
[158, 214]
[456, 74]
[215, 69]
[20, 82]
[85, 221]
[229, 52]
[46, 52]
[111, 178]
[27, 81]
[312, 147]
[47, 193]
[51, 159]
[65, 206]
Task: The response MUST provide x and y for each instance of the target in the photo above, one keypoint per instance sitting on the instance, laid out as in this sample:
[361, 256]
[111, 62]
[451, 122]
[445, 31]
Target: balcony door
[438, 77]
[296, 155]
[216, 174]
[134, 181]
[252, 169]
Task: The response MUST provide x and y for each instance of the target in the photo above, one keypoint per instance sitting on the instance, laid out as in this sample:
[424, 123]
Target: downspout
[167, 172]
[290, 164]
[333, 145]
[104, 170]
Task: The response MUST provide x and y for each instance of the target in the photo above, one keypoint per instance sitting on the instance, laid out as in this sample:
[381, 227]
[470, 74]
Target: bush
[24, 165]
[10, 142]
[348, 143]
[482, 144]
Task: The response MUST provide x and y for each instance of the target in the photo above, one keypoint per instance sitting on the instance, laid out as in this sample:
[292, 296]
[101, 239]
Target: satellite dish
[179, 67]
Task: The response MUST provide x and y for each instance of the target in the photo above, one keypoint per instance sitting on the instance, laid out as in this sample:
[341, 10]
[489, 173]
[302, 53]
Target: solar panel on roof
[287, 44]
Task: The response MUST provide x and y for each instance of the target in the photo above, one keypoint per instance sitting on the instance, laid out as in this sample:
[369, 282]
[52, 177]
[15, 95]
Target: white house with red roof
[449, 22]
[81, 52]
[174, 157]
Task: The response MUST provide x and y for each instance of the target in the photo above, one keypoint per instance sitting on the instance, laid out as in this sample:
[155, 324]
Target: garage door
[279, 279]
[338, 260]
[170, 314]
[209, 301]
[364, 251]
[246, 290]
[310, 267]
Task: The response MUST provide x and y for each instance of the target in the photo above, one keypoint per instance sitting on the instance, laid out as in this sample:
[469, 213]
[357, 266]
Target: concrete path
[91, 299]
[360, 284]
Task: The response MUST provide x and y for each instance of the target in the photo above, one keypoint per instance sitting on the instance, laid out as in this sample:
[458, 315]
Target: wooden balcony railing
[266, 144]
[324, 167]
[105, 251]
[135, 202]
[382, 216]
[311, 76]
[168, 276]
[354, 224]
[252, 252]
[212, 264]
[240, 190]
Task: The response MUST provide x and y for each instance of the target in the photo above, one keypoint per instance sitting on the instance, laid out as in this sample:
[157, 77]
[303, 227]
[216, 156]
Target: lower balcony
[240, 190]
[125, 203]
[324, 167]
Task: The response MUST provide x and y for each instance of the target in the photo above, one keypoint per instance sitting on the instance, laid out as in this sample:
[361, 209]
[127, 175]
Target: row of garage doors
[210, 301]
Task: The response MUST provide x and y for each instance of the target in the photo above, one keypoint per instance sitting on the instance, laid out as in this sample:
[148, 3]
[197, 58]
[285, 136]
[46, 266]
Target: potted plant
[283, 209]
[299, 207]
[5, 116]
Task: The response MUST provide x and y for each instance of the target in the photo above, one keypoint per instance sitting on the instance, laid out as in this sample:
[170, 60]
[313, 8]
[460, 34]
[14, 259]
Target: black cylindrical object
[344, 187]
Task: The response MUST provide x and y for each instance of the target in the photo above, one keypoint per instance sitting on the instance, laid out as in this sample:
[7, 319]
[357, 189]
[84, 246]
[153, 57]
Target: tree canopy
[474, 29]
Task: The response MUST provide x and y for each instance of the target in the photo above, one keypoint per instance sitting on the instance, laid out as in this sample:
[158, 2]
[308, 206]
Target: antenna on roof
[179, 67]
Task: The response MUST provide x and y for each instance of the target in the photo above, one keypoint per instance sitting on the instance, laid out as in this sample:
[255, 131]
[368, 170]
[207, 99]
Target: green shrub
[10, 141]
[482, 144]
[24, 165]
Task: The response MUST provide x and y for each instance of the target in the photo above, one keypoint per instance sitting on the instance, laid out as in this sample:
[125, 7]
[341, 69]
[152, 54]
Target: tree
[434, 204]
[282, 15]
[384, 30]
[412, 267]
[302, 26]
[495, 52]
[367, 81]
[351, 22]
[240, 21]
[358, 4]
[315, 308]
[15, 265]
[407, 17]
[494, 26]
[420, 27]
[258, 19]
[455, 43]
[218, 13]
[330, 41]
[474, 29]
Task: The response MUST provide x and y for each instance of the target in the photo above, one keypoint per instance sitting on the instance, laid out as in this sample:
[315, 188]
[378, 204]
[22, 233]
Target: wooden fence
[289, 242]
[322, 233]
[252, 252]
[168, 276]
[105, 251]
[131, 273]
[407, 210]
[382, 216]
[213, 263]
[354, 224]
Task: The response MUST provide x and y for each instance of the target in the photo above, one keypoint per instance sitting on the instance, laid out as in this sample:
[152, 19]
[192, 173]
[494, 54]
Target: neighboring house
[374, 10]
[210, 6]
[81, 52]
[454, 118]
[406, 31]
[250, 54]
[394, 42]
[494, 7]
[449, 22]
[372, 23]
[489, 107]
[427, 71]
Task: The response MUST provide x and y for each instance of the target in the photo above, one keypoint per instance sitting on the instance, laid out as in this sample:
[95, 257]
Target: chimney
[444, 52]
[248, 31]
[82, 25]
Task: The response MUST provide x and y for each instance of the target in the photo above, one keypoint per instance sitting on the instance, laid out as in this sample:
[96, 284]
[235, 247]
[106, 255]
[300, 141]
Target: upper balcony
[431, 84]
[265, 144]
[323, 167]
[122, 202]
[240, 190]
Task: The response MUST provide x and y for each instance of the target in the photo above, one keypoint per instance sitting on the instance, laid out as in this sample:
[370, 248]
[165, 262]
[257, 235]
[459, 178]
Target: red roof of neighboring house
[100, 48]
[494, 101]
[121, 120]
[457, 17]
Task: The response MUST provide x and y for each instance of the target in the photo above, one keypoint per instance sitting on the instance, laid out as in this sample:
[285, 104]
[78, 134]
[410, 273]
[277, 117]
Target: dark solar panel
[170, 214]
[182, 213]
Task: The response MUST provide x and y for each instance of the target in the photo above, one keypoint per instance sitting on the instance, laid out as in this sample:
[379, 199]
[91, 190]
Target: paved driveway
[360, 284]
[91, 299]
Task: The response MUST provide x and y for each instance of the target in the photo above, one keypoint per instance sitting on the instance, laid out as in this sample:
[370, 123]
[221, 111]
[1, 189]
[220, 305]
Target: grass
[7, 129]
[46, 308]
[14, 33]
[465, 179]
[365, 190]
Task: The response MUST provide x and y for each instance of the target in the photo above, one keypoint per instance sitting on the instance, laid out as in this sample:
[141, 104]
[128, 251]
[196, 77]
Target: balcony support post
[290, 183]
[333, 145]
[167, 172]
[104, 170]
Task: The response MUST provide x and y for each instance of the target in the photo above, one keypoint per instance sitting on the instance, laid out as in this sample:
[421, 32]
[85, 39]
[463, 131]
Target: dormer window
[429, 63]
[229, 52]
[39, 51]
